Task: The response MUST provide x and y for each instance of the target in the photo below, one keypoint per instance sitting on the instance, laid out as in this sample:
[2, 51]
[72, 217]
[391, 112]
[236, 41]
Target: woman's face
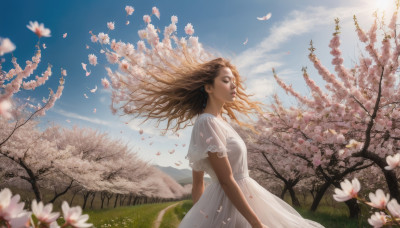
[224, 88]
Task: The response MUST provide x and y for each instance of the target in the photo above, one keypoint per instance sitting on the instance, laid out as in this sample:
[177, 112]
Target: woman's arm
[198, 185]
[223, 170]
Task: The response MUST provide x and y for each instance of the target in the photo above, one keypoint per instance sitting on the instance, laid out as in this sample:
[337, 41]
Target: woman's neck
[214, 108]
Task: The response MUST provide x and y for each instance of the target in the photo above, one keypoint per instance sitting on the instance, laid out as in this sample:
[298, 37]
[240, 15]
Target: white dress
[214, 209]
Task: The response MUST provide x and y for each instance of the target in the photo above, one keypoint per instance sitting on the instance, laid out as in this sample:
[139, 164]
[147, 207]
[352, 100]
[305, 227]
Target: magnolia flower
[129, 10]
[378, 200]
[189, 29]
[394, 208]
[43, 213]
[92, 59]
[6, 46]
[111, 25]
[5, 108]
[156, 12]
[73, 216]
[348, 191]
[377, 220]
[9, 207]
[393, 161]
[146, 19]
[21, 220]
[39, 30]
[105, 82]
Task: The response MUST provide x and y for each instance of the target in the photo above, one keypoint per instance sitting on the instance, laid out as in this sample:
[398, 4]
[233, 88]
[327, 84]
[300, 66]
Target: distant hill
[182, 176]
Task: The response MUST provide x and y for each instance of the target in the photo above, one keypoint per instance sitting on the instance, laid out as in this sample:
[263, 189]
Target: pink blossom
[94, 110]
[9, 207]
[44, 46]
[378, 200]
[6, 46]
[146, 19]
[105, 82]
[39, 30]
[112, 57]
[189, 29]
[5, 108]
[394, 208]
[64, 72]
[92, 59]
[127, 22]
[156, 12]
[94, 90]
[377, 220]
[141, 131]
[393, 161]
[174, 19]
[64, 35]
[43, 213]
[348, 191]
[103, 38]
[84, 66]
[73, 216]
[111, 25]
[94, 38]
[129, 10]
[264, 18]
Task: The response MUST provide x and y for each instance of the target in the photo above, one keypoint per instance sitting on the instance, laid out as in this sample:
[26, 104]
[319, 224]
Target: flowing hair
[173, 90]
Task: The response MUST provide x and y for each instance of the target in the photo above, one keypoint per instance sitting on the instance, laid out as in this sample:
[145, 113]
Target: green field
[145, 215]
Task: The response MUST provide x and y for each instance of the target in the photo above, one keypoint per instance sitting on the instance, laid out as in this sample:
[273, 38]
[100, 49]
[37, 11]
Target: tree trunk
[91, 202]
[102, 197]
[116, 199]
[390, 175]
[108, 198]
[32, 180]
[320, 193]
[283, 191]
[85, 198]
[73, 196]
[295, 201]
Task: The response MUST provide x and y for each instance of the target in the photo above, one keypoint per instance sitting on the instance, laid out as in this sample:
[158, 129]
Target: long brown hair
[176, 93]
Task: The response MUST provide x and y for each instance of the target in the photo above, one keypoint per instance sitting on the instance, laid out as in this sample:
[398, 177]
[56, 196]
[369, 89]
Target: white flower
[393, 161]
[174, 19]
[6, 46]
[39, 30]
[378, 200]
[394, 208]
[111, 25]
[104, 39]
[43, 213]
[377, 220]
[348, 191]
[73, 216]
[92, 59]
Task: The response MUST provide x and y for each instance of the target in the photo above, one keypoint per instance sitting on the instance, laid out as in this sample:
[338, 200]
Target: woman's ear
[208, 88]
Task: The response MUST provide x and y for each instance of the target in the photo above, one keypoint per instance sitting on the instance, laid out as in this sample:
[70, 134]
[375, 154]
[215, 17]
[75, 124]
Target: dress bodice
[212, 134]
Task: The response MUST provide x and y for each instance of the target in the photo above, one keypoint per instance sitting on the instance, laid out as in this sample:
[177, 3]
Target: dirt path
[157, 223]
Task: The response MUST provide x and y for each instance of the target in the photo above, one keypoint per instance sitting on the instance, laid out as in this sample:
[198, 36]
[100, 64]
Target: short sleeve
[207, 136]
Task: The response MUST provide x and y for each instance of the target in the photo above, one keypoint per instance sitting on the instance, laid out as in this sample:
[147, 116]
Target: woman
[178, 87]
[233, 199]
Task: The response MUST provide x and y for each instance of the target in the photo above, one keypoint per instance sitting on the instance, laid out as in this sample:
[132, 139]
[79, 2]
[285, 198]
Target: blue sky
[281, 42]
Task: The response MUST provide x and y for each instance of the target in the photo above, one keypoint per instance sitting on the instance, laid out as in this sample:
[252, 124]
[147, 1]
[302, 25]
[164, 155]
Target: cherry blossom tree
[354, 120]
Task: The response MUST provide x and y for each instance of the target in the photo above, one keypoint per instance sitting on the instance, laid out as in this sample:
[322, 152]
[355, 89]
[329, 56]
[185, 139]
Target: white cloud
[260, 88]
[80, 117]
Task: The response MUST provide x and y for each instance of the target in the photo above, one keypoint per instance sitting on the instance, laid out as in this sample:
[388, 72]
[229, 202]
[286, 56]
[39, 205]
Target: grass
[134, 216]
